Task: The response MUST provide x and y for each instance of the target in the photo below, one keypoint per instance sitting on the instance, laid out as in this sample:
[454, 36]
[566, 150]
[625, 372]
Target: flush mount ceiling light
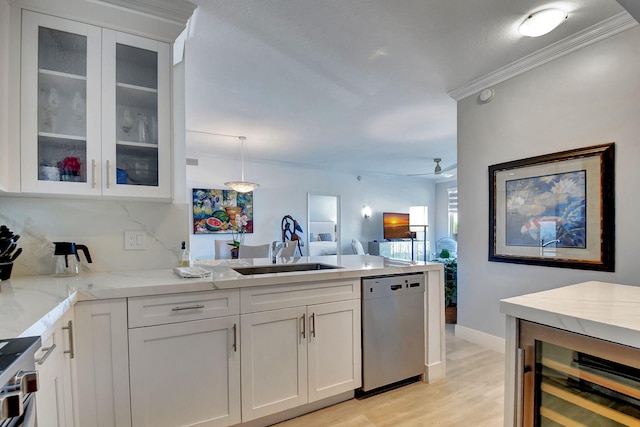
[242, 186]
[540, 23]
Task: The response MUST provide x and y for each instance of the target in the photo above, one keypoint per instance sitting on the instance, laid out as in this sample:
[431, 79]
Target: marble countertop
[603, 310]
[30, 305]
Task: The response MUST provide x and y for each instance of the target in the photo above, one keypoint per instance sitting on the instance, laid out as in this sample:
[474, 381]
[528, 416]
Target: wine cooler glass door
[579, 380]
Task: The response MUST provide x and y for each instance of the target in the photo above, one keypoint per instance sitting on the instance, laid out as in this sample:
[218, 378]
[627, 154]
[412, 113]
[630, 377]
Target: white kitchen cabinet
[334, 350]
[185, 359]
[95, 110]
[53, 363]
[102, 364]
[302, 354]
[274, 361]
[186, 374]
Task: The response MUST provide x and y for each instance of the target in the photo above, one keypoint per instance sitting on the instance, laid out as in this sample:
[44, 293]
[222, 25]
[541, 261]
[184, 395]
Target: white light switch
[135, 240]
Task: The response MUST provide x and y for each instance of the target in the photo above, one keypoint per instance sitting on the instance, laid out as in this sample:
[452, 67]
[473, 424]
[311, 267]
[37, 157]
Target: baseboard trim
[298, 411]
[434, 372]
[481, 338]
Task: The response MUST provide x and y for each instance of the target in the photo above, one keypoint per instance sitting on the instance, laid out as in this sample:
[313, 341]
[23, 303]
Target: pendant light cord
[242, 140]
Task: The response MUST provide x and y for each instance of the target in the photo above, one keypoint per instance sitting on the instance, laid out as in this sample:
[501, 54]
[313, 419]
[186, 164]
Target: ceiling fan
[438, 170]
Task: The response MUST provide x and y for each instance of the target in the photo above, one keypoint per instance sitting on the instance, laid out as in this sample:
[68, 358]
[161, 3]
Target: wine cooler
[570, 379]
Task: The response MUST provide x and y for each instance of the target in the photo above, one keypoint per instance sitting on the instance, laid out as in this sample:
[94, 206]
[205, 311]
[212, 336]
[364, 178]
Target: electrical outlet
[135, 240]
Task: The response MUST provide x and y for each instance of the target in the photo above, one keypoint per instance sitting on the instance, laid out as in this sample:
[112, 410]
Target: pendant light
[242, 186]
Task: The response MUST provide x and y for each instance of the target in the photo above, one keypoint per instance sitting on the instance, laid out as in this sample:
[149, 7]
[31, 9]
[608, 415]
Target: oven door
[28, 417]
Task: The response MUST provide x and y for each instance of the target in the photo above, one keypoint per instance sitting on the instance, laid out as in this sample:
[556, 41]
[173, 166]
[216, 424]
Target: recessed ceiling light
[540, 23]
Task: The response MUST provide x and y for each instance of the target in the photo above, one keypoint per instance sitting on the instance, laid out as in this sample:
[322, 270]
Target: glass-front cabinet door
[95, 111]
[136, 112]
[60, 125]
[575, 380]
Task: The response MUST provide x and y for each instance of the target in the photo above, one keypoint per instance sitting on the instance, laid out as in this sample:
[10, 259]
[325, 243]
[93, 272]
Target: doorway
[323, 224]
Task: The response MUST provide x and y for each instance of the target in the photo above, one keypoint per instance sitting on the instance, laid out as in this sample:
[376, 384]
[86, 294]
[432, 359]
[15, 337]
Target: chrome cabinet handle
[191, 307]
[48, 351]
[235, 338]
[313, 324]
[108, 172]
[69, 329]
[93, 173]
[519, 393]
[304, 328]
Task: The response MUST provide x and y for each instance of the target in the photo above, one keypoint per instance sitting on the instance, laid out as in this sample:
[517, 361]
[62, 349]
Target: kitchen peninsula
[572, 354]
[131, 326]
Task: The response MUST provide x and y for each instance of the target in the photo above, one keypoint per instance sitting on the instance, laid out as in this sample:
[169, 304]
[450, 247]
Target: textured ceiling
[358, 86]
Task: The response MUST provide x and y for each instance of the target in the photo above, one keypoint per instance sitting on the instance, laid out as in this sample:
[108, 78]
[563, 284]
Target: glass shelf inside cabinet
[576, 386]
[136, 115]
[136, 165]
[62, 112]
[136, 96]
[62, 159]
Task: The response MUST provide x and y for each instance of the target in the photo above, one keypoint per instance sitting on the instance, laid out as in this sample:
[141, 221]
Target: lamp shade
[418, 218]
[242, 186]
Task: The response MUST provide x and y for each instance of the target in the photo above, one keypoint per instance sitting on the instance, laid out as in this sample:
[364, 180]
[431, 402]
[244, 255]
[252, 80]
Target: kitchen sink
[284, 268]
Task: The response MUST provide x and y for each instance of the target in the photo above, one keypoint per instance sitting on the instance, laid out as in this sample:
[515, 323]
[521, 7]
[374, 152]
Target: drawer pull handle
[69, 328]
[108, 172]
[235, 338]
[190, 307]
[48, 351]
[93, 173]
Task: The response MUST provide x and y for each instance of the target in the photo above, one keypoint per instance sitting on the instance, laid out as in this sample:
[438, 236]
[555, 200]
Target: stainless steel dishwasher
[393, 328]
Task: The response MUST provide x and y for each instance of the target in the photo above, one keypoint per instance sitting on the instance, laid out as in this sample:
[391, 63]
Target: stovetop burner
[10, 352]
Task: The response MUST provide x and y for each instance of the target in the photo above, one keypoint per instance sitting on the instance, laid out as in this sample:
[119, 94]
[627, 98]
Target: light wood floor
[470, 395]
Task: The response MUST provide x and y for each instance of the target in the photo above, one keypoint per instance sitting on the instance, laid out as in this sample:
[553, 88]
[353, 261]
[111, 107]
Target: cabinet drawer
[163, 309]
[285, 296]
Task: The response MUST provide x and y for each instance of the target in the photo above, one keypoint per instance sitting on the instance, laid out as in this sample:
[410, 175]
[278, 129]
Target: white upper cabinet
[95, 111]
[136, 115]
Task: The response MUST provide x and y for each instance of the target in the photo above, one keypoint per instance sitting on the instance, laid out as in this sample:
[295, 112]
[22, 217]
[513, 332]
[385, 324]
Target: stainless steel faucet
[550, 242]
[275, 248]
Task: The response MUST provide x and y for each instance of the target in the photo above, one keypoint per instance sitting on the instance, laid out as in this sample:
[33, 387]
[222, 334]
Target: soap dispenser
[183, 260]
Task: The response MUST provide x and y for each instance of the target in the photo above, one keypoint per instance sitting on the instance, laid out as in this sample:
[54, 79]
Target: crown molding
[177, 11]
[607, 28]
[161, 20]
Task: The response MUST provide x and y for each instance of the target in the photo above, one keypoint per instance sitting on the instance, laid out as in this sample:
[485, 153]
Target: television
[396, 226]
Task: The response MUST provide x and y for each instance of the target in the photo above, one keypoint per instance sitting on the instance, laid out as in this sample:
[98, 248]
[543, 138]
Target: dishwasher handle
[396, 287]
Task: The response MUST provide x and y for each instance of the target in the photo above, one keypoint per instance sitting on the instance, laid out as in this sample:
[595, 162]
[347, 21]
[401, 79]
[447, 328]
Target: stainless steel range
[18, 381]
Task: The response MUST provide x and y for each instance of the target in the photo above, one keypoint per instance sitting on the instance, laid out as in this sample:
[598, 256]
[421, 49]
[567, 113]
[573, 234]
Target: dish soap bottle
[183, 260]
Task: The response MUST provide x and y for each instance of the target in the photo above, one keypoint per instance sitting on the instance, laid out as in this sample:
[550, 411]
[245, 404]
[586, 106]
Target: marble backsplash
[98, 224]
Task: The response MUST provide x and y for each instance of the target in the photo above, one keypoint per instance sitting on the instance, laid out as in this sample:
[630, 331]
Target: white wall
[4, 90]
[323, 207]
[590, 97]
[284, 191]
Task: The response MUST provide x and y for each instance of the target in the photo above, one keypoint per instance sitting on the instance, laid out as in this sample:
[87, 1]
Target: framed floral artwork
[554, 210]
[222, 211]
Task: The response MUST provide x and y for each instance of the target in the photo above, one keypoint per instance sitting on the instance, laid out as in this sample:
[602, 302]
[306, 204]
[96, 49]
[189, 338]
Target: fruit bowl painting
[214, 211]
